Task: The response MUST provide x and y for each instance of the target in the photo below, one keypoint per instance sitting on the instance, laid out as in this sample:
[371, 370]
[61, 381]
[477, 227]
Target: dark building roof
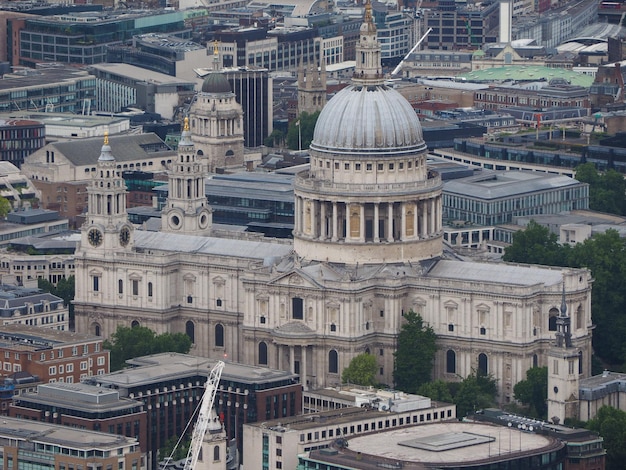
[123, 147]
[216, 82]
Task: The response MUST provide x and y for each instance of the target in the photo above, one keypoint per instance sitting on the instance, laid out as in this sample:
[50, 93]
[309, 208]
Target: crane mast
[204, 416]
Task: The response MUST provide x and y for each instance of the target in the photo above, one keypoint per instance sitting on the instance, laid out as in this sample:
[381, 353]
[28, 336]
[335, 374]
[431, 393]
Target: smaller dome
[216, 82]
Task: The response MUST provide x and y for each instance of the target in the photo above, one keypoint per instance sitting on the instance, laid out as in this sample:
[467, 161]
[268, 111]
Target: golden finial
[106, 137]
[368, 11]
[215, 49]
[186, 125]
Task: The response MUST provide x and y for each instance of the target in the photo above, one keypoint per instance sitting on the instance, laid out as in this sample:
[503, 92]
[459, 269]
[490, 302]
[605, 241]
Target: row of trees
[413, 366]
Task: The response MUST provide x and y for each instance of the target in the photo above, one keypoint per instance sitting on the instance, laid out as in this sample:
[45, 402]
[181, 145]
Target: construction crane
[204, 416]
[399, 66]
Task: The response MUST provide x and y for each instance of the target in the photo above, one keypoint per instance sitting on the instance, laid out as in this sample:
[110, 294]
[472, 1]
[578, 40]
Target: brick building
[52, 355]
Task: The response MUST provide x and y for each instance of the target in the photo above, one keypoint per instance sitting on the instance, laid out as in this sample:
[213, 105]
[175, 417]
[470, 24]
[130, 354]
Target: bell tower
[311, 88]
[187, 210]
[106, 226]
[563, 371]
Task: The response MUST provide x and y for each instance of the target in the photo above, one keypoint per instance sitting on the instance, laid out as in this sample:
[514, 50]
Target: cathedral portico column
[376, 227]
[423, 218]
[303, 376]
[313, 218]
[279, 348]
[292, 359]
[362, 223]
[335, 222]
[415, 218]
[390, 222]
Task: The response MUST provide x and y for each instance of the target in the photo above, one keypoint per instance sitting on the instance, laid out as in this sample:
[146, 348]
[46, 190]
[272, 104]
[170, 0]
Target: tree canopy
[610, 423]
[415, 353]
[607, 190]
[475, 392]
[361, 371]
[5, 206]
[605, 256]
[301, 138]
[533, 391]
[127, 343]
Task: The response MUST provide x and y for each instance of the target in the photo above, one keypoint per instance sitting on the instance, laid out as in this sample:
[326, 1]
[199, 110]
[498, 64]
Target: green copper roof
[522, 72]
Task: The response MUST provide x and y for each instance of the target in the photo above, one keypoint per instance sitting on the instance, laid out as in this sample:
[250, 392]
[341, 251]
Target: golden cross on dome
[215, 49]
[106, 137]
[186, 125]
[368, 11]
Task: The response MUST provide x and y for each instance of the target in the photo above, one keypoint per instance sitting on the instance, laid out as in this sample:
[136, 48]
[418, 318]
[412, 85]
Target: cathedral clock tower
[187, 209]
[106, 227]
[563, 371]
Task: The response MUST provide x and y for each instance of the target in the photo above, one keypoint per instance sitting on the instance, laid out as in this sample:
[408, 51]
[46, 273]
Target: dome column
[390, 222]
[403, 234]
[362, 223]
[376, 223]
[323, 223]
[335, 222]
[423, 217]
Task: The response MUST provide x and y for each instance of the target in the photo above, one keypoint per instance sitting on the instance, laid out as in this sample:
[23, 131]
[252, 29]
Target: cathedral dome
[372, 118]
[216, 82]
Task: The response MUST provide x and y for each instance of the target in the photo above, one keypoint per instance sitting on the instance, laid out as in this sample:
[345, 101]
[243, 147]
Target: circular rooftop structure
[455, 445]
[216, 82]
[368, 118]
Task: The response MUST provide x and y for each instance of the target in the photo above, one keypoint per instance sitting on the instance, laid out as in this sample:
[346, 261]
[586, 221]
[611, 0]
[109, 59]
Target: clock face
[95, 237]
[124, 236]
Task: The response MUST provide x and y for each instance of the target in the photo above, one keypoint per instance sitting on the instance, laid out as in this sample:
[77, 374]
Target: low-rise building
[84, 406]
[61, 170]
[30, 222]
[19, 138]
[495, 197]
[280, 441]
[26, 443]
[170, 386]
[52, 355]
[15, 187]
[24, 306]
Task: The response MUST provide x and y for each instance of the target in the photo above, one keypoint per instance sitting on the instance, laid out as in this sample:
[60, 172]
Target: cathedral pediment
[294, 329]
[296, 279]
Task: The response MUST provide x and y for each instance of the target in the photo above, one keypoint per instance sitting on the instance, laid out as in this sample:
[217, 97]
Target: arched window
[552, 320]
[535, 361]
[263, 353]
[483, 364]
[219, 336]
[120, 287]
[149, 289]
[218, 302]
[333, 362]
[216, 453]
[580, 362]
[96, 330]
[134, 324]
[450, 362]
[190, 331]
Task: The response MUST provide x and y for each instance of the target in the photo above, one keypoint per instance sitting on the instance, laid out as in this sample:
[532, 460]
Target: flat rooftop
[34, 431]
[167, 366]
[139, 74]
[440, 443]
[45, 77]
[36, 337]
[492, 185]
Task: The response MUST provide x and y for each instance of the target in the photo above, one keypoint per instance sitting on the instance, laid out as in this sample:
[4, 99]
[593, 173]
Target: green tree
[535, 245]
[533, 391]
[275, 139]
[607, 191]
[5, 207]
[415, 353]
[361, 371]
[169, 449]
[300, 133]
[437, 390]
[476, 391]
[127, 343]
[610, 423]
